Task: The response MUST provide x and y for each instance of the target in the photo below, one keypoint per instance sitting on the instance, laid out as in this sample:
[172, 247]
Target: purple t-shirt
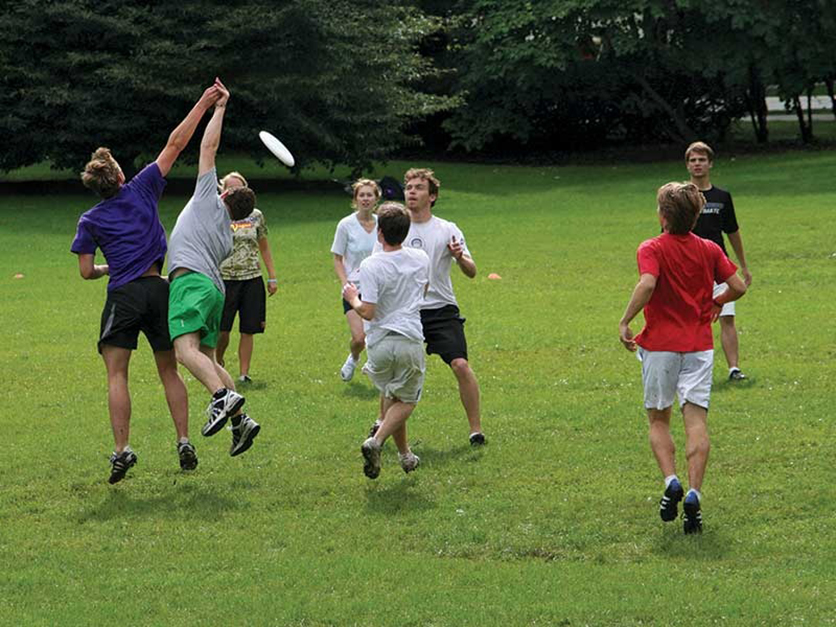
[127, 228]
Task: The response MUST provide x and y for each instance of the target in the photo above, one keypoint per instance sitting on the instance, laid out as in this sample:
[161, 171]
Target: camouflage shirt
[243, 263]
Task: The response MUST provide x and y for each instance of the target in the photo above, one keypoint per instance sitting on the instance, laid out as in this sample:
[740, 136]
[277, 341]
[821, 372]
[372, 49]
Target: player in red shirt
[677, 274]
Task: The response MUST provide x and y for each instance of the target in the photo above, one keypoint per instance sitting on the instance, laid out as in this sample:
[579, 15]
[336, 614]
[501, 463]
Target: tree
[336, 80]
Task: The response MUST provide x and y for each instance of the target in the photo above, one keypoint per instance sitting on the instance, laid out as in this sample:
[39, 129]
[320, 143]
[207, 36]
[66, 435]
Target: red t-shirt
[678, 315]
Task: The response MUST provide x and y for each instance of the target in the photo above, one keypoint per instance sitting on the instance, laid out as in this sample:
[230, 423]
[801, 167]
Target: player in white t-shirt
[394, 283]
[353, 241]
[443, 327]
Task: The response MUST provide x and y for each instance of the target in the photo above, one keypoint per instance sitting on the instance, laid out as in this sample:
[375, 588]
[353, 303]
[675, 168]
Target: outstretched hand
[223, 91]
[210, 96]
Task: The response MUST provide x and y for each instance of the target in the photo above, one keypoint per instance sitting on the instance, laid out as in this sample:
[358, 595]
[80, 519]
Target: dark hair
[393, 222]
[680, 205]
[241, 202]
[101, 174]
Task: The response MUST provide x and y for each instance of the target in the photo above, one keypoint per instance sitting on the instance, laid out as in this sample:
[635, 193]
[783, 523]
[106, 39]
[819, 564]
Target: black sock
[219, 394]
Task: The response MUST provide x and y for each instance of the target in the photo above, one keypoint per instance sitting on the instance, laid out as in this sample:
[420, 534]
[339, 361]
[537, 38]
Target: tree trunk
[683, 133]
[829, 83]
[756, 98]
[806, 131]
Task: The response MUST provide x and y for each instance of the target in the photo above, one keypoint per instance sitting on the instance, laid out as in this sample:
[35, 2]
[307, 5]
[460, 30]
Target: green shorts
[195, 304]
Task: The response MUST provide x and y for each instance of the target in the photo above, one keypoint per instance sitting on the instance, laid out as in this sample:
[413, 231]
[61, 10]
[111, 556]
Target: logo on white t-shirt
[416, 242]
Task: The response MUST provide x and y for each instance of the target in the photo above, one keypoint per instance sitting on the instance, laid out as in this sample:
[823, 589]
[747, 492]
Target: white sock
[733, 369]
[697, 492]
[668, 480]
[183, 441]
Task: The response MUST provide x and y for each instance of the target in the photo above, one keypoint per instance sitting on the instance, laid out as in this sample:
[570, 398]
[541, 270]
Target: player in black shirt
[718, 217]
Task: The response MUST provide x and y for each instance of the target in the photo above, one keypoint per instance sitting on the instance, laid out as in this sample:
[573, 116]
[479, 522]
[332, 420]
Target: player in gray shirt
[200, 241]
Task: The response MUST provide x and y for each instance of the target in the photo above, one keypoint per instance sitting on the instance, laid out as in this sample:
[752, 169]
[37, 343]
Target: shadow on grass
[439, 457]
[256, 385]
[187, 501]
[710, 545]
[402, 497]
[725, 385]
[360, 391]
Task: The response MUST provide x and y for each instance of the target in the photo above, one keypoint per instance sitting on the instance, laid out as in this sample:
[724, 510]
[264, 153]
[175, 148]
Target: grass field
[553, 523]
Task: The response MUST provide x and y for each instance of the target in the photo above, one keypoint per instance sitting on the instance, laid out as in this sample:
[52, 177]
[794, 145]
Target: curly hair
[425, 174]
[102, 173]
[680, 205]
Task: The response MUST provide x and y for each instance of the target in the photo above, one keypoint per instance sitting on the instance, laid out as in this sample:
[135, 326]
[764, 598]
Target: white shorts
[728, 308]
[688, 375]
[396, 365]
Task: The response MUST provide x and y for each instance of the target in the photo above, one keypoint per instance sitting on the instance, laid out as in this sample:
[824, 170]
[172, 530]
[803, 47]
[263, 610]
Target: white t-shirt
[354, 243]
[394, 282]
[432, 237]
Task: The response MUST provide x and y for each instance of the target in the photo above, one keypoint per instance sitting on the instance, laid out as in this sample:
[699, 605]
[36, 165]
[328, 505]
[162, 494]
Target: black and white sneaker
[224, 405]
[669, 503]
[371, 453]
[243, 435]
[691, 514]
[736, 374]
[120, 463]
[477, 439]
[374, 428]
[188, 456]
[409, 462]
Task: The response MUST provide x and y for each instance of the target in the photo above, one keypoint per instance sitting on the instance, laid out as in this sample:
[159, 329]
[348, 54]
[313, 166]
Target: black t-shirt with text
[717, 216]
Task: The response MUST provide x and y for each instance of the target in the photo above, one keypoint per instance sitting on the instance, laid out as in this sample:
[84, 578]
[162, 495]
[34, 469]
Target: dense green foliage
[335, 80]
[554, 523]
[577, 73]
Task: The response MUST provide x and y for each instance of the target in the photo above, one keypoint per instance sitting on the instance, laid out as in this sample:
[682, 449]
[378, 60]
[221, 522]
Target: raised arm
[180, 136]
[465, 261]
[212, 134]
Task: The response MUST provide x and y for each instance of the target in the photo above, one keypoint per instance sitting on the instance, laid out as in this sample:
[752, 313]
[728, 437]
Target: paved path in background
[773, 103]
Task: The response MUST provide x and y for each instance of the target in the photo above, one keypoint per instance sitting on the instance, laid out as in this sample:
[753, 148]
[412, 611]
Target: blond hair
[224, 182]
[102, 173]
[701, 148]
[360, 183]
[680, 205]
[425, 174]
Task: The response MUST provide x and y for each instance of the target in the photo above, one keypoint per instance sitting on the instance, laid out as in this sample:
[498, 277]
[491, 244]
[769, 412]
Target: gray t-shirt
[202, 237]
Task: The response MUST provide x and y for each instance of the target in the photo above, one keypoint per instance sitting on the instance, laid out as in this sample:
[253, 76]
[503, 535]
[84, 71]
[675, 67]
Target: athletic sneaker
[477, 439]
[347, 371]
[691, 514]
[371, 453]
[245, 378]
[736, 375]
[670, 501]
[119, 465]
[243, 435]
[188, 456]
[224, 404]
[374, 428]
[409, 462]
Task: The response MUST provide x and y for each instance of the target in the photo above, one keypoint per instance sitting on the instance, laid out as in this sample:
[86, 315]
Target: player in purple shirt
[126, 227]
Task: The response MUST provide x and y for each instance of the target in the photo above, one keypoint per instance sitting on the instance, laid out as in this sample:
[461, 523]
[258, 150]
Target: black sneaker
[243, 435]
[374, 428]
[691, 514]
[371, 455]
[188, 456]
[119, 465]
[477, 439]
[670, 501]
[224, 404]
[736, 375]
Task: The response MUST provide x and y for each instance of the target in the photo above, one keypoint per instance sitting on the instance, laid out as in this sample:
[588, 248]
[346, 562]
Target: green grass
[554, 522]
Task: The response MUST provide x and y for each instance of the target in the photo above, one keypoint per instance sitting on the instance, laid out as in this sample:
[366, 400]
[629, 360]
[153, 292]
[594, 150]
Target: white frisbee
[277, 148]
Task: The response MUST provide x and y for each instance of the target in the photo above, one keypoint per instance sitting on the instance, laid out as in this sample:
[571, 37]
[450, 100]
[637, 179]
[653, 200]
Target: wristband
[272, 280]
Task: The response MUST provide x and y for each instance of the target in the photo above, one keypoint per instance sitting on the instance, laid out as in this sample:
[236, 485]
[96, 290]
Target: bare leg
[358, 336]
[118, 397]
[175, 391]
[245, 353]
[223, 343]
[397, 413]
[468, 392]
[223, 375]
[697, 444]
[728, 337]
[202, 366]
[661, 442]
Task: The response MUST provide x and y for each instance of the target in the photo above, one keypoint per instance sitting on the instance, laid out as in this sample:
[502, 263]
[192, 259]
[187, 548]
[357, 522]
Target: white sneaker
[371, 455]
[243, 435]
[347, 371]
[409, 462]
[219, 411]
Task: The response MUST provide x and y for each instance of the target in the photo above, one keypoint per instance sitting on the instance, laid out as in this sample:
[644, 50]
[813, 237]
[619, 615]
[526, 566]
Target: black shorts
[347, 307]
[444, 333]
[247, 299]
[141, 305]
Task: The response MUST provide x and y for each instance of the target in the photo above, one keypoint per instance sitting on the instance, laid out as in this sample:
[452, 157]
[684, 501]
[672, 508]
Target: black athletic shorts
[347, 307]
[141, 305]
[444, 333]
[248, 300]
